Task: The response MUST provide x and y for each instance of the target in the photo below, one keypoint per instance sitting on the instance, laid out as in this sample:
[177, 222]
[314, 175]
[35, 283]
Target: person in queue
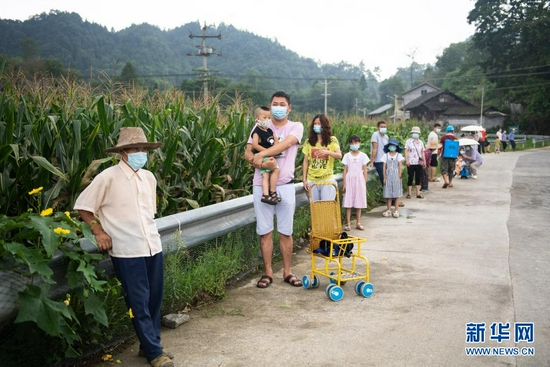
[119, 205]
[283, 154]
[320, 151]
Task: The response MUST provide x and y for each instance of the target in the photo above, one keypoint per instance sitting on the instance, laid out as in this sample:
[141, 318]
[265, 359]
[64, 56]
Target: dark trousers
[504, 145]
[380, 170]
[414, 170]
[513, 144]
[142, 280]
[424, 179]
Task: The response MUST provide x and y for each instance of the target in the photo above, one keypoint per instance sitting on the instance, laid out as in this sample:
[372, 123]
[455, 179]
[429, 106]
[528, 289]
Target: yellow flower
[68, 215]
[107, 357]
[131, 313]
[60, 230]
[67, 300]
[46, 212]
[118, 361]
[35, 191]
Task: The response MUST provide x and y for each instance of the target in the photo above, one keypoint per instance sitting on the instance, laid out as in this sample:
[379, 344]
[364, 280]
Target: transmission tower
[204, 51]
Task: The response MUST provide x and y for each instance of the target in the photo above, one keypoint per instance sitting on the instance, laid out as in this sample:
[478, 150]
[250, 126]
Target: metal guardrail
[544, 140]
[519, 139]
[186, 229]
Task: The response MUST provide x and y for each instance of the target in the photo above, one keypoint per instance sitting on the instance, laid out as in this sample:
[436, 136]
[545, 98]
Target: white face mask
[264, 123]
[438, 130]
[354, 147]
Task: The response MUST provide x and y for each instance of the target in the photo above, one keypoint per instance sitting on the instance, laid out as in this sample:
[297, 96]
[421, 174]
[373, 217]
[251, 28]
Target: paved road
[475, 253]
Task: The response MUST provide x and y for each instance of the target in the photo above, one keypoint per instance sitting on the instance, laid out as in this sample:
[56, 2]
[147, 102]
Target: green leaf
[94, 306]
[49, 238]
[36, 263]
[43, 162]
[38, 308]
[193, 203]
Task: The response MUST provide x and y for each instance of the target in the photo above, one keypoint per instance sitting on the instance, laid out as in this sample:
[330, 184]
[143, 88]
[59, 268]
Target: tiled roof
[421, 85]
[421, 100]
[429, 100]
[380, 110]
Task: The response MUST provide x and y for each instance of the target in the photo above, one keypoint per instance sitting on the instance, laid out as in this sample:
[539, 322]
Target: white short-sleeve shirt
[125, 203]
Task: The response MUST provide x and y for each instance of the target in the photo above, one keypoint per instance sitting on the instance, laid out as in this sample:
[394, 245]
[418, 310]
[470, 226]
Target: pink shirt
[286, 160]
[125, 203]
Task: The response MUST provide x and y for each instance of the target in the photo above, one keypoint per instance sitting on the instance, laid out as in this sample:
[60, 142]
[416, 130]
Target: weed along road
[463, 271]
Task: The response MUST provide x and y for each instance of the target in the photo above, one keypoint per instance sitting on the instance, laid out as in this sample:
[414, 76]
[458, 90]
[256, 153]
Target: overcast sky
[382, 33]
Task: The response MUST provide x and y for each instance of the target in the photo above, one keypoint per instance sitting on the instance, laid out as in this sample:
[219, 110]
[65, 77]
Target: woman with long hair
[320, 151]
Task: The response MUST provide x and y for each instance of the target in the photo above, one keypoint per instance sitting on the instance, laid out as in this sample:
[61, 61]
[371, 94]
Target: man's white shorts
[284, 211]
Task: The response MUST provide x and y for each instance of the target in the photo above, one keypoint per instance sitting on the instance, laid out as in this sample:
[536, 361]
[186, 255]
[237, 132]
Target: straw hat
[433, 144]
[132, 137]
[415, 129]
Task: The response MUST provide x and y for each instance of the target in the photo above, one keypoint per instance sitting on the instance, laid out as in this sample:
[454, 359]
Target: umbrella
[472, 128]
[466, 141]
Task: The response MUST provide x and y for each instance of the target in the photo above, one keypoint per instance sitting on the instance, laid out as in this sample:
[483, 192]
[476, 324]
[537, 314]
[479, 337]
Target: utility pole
[326, 95]
[411, 55]
[481, 113]
[204, 51]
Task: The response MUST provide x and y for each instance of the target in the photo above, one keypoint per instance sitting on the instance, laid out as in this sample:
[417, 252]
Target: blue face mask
[383, 130]
[317, 129]
[137, 160]
[278, 112]
[354, 147]
[392, 148]
[415, 135]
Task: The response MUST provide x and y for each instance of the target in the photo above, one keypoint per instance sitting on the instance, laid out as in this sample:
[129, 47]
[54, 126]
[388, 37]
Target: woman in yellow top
[320, 151]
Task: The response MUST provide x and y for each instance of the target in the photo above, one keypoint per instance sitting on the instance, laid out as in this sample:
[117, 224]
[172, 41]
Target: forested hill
[87, 47]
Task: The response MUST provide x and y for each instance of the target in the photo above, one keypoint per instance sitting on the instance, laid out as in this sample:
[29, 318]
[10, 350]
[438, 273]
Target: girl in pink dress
[355, 182]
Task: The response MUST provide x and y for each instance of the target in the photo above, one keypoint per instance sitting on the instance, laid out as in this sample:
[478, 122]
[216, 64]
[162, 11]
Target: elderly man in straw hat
[119, 206]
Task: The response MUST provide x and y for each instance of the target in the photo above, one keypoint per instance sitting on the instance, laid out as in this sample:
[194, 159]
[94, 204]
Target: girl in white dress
[355, 182]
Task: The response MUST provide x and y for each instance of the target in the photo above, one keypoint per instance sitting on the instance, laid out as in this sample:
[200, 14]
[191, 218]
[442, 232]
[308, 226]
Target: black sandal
[274, 196]
[268, 200]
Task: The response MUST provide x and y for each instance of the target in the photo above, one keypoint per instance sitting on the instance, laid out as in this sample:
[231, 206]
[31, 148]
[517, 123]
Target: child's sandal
[268, 200]
[274, 196]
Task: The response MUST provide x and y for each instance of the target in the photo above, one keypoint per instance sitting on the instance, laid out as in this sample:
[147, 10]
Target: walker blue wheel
[367, 290]
[329, 287]
[332, 281]
[358, 286]
[306, 282]
[336, 293]
[316, 282]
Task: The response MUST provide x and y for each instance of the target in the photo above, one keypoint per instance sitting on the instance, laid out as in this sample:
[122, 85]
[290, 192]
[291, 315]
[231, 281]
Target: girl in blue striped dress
[393, 166]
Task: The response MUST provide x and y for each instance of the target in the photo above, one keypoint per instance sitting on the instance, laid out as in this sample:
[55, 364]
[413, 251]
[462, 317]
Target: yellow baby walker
[330, 247]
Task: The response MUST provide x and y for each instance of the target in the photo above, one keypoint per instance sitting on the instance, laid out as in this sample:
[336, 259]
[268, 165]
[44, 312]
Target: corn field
[53, 134]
